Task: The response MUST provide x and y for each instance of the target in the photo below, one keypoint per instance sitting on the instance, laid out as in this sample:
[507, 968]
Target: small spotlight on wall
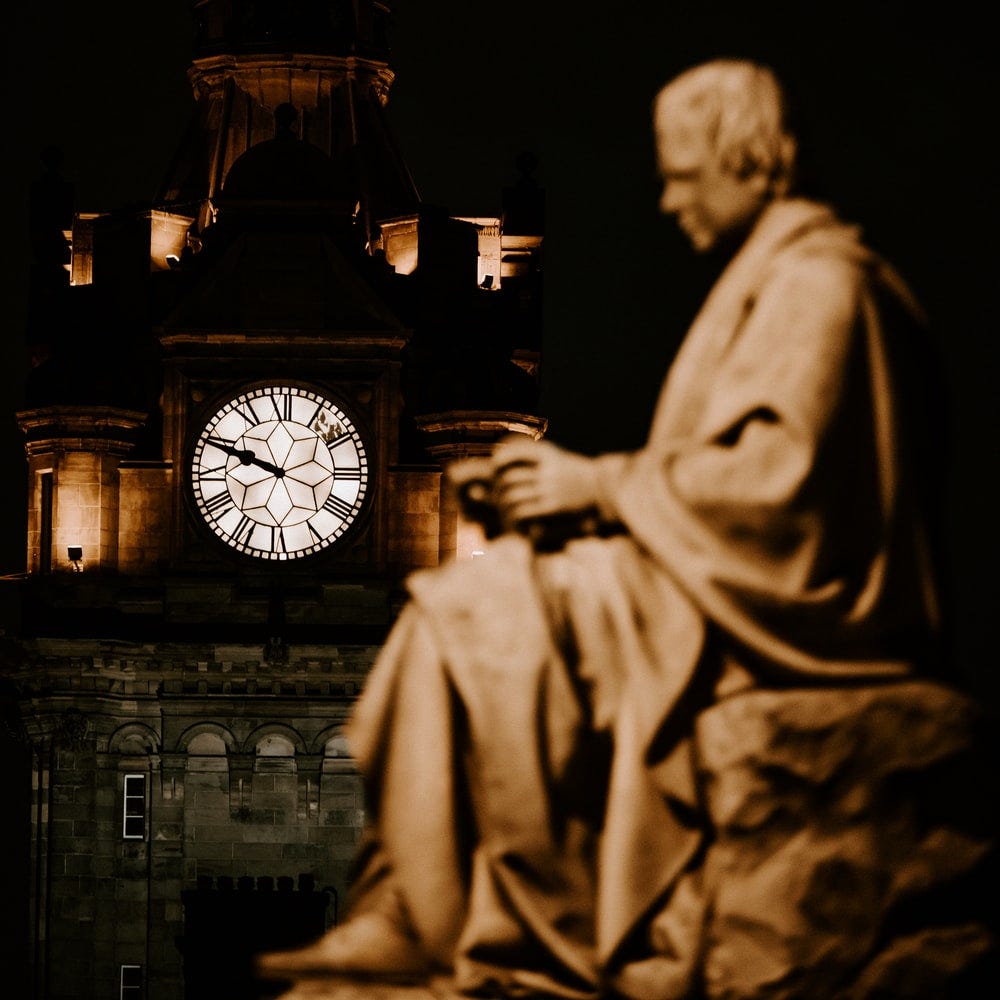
[75, 553]
[172, 260]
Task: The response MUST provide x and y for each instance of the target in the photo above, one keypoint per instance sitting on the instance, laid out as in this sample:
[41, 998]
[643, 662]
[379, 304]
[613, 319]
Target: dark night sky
[897, 107]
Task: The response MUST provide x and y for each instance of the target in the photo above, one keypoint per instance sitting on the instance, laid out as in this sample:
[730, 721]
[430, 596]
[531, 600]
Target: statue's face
[709, 202]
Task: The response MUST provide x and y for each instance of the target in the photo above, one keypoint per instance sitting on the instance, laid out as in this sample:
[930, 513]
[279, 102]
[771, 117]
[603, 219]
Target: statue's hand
[537, 479]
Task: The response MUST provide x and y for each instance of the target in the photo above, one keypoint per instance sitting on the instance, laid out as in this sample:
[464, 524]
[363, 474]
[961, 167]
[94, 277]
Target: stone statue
[658, 758]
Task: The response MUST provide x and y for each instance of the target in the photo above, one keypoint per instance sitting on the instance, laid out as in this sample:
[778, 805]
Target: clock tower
[235, 424]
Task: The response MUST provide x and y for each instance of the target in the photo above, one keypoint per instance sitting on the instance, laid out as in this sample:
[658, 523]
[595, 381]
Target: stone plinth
[346, 989]
[855, 837]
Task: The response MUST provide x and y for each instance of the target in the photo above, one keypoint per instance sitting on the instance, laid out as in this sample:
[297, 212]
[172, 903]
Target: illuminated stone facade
[192, 793]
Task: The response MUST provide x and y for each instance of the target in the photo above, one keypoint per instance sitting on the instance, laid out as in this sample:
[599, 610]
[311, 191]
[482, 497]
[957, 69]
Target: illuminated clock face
[279, 472]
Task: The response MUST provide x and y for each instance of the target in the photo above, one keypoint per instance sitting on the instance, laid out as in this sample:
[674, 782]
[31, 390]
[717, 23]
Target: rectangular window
[134, 812]
[131, 982]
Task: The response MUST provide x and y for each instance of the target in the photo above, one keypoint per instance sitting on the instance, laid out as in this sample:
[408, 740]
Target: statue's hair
[743, 110]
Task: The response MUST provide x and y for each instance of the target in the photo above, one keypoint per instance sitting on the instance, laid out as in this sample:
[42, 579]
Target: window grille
[130, 986]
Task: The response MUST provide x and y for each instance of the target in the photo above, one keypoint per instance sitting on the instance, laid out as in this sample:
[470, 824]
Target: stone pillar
[240, 780]
[73, 489]
[41, 798]
[172, 770]
[309, 768]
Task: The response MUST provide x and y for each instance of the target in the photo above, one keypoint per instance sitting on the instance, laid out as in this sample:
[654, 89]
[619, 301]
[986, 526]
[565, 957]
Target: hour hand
[246, 456]
[249, 458]
[228, 447]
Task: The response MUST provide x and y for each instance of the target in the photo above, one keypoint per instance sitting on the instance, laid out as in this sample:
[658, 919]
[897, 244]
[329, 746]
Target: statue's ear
[784, 171]
[761, 182]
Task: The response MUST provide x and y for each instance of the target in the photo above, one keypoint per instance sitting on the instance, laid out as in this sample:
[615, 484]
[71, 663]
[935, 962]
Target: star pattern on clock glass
[279, 472]
[296, 495]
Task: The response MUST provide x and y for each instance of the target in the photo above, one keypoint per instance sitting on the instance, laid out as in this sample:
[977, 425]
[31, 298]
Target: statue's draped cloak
[526, 732]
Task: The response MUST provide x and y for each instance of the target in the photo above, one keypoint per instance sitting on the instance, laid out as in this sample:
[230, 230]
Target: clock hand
[247, 457]
[227, 447]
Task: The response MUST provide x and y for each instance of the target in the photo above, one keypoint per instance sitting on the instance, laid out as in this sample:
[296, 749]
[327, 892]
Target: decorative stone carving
[269, 78]
[70, 729]
[275, 650]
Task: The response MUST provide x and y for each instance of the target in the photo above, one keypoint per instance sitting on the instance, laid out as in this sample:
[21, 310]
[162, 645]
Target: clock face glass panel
[279, 472]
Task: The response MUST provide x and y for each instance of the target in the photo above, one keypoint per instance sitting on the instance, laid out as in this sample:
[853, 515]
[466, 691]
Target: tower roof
[327, 59]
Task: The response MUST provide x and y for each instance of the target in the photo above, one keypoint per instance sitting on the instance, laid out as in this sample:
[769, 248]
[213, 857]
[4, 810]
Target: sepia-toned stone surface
[853, 853]
[335, 988]
[853, 844]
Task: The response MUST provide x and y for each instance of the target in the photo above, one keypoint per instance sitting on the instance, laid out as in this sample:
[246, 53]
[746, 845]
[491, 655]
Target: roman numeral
[344, 475]
[314, 532]
[219, 505]
[215, 474]
[244, 530]
[338, 507]
[278, 540]
[284, 412]
[252, 419]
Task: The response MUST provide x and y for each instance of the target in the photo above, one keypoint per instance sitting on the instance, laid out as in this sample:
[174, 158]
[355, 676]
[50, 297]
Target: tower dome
[290, 172]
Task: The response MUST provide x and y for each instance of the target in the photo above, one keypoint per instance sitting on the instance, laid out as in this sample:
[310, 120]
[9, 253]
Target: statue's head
[723, 147]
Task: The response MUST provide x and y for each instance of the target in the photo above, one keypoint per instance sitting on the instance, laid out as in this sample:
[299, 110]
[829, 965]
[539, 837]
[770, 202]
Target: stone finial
[285, 121]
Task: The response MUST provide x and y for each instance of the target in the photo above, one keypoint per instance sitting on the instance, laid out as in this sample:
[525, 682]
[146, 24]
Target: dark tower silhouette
[241, 398]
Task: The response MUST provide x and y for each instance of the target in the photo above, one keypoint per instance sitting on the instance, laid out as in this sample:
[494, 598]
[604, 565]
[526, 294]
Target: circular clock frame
[279, 472]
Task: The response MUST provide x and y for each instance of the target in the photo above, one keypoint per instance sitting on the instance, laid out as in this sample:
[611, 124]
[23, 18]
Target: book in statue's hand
[474, 480]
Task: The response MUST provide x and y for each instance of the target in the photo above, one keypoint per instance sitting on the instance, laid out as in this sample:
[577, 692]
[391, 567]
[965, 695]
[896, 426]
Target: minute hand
[247, 457]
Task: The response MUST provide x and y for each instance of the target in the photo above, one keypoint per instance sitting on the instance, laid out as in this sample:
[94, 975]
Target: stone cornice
[80, 428]
[459, 433]
[54, 670]
[268, 77]
[342, 344]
